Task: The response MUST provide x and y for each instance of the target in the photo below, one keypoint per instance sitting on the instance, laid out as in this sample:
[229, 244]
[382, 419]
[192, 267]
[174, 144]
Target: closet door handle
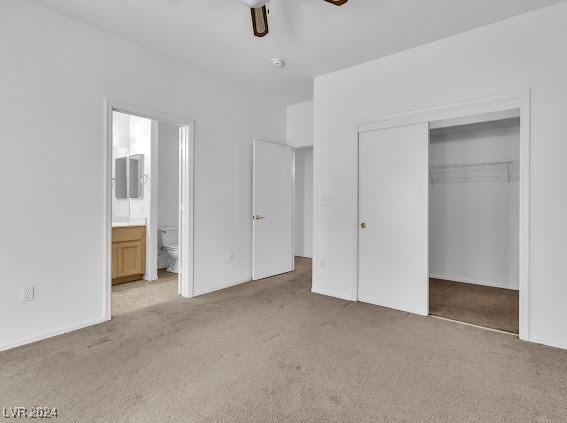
[363, 225]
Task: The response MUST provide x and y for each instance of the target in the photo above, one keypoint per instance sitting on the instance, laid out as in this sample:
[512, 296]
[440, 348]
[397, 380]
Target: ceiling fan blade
[337, 2]
[260, 21]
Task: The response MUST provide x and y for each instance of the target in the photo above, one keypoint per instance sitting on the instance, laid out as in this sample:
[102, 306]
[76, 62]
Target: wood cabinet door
[114, 261]
[129, 260]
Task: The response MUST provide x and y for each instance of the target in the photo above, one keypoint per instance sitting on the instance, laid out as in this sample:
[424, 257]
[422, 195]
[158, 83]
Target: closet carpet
[485, 306]
[273, 351]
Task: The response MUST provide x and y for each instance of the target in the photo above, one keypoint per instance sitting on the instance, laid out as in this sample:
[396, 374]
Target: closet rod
[471, 164]
[491, 166]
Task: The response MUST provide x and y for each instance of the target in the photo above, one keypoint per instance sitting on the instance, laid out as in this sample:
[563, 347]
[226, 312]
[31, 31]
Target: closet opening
[474, 220]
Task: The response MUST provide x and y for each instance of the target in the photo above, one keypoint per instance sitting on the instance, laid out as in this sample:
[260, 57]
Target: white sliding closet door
[393, 213]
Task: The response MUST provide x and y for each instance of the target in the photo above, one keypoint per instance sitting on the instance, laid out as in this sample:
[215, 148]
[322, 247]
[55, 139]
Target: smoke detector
[277, 62]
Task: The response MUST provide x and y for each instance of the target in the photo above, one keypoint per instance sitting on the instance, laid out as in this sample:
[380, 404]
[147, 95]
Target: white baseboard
[149, 278]
[218, 288]
[50, 334]
[472, 281]
[332, 294]
[549, 342]
[303, 256]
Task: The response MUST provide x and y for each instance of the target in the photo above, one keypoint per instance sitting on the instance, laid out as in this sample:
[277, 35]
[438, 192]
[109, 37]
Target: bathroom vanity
[128, 224]
[128, 252]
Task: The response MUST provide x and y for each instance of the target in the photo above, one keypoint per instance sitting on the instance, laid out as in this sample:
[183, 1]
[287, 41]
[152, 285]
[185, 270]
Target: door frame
[294, 149]
[502, 102]
[186, 196]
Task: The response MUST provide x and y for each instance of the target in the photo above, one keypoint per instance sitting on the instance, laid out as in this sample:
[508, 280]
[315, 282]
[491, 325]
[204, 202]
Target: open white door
[393, 213]
[272, 228]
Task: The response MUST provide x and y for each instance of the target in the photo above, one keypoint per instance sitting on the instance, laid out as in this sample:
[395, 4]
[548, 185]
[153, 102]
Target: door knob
[363, 225]
[258, 217]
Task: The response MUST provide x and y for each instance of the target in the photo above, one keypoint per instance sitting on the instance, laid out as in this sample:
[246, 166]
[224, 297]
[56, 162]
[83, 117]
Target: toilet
[169, 241]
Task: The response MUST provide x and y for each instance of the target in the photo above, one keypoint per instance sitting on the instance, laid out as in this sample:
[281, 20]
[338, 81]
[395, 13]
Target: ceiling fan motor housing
[260, 12]
[254, 3]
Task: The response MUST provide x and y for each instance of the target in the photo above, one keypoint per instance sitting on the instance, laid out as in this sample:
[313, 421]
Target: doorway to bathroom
[149, 208]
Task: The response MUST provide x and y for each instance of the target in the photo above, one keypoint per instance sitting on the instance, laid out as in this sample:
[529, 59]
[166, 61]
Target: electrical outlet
[230, 257]
[323, 264]
[27, 294]
[325, 201]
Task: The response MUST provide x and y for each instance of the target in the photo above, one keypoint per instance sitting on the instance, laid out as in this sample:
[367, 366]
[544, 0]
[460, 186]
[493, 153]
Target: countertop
[140, 221]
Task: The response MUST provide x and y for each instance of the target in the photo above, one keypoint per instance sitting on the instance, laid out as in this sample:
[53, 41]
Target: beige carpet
[272, 351]
[485, 306]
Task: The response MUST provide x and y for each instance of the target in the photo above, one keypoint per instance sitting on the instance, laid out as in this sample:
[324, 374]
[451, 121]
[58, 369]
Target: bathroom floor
[132, 296]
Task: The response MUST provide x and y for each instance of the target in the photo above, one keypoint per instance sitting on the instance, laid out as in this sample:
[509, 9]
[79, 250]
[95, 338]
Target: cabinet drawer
[131, 233]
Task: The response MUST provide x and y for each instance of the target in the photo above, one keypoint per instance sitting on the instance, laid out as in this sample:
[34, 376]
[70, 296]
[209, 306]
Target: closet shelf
[500, 170]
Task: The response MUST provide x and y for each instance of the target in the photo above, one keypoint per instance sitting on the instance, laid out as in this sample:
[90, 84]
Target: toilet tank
[169, 236]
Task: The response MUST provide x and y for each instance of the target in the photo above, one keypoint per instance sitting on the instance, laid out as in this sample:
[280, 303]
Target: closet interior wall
[474, 208]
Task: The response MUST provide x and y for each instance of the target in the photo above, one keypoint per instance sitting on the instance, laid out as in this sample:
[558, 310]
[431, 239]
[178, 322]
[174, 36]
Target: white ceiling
[314, 37]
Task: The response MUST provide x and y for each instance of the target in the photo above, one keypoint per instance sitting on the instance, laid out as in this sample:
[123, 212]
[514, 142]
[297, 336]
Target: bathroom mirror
[136, 176]
[129, 176]
[120, 177]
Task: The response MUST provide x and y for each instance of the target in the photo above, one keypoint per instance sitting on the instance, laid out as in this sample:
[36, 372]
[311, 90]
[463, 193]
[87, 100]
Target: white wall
[141, 143]
[303, 204]
[121, 130]
[474, 226]
[524, 52]
[299, 129]
[132, 135]
[168, 180]
[299, 133]
[55, 76]
[120, 148]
